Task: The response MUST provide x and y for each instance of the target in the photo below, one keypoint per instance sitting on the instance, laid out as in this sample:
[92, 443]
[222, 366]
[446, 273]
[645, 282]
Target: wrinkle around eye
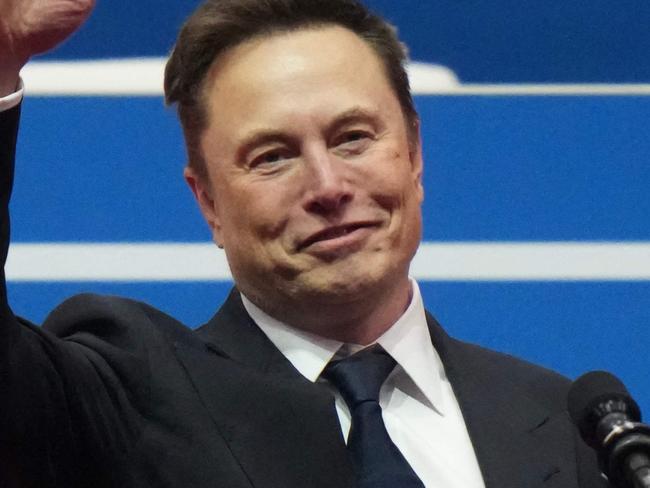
[353, 143]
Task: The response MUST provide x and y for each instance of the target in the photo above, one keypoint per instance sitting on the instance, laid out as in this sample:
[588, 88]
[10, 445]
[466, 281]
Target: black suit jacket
[111, 392]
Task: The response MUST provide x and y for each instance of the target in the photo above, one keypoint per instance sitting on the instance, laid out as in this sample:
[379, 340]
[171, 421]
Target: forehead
[307, 70]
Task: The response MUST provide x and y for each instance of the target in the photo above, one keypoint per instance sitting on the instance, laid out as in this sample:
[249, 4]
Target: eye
[269, 158]
[353, 136]
[354, 141]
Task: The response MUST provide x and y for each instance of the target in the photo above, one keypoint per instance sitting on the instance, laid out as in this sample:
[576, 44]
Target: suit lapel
[517, 442]
[282, 428]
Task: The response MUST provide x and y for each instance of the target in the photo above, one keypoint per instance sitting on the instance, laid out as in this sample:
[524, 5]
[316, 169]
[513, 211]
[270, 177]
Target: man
[304, 156]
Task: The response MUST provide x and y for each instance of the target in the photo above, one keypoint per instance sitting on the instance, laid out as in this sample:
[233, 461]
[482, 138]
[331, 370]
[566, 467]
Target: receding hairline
[222, 57]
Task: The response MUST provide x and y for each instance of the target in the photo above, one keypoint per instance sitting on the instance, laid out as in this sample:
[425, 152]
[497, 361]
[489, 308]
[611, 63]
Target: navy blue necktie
[377, 461]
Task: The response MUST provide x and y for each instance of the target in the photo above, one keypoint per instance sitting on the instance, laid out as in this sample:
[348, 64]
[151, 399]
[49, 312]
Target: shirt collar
[408, 341]
[309, 353]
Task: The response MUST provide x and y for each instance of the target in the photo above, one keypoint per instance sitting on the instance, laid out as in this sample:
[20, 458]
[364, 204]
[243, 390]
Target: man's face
[314, 190]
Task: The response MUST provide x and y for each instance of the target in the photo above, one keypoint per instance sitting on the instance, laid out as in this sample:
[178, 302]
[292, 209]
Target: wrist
[8, 85]
[9, 77]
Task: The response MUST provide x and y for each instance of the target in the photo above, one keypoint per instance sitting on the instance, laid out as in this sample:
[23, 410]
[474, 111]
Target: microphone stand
[625, 455]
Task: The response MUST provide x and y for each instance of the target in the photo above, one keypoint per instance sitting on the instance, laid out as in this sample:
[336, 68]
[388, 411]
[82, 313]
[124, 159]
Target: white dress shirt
[419, 407]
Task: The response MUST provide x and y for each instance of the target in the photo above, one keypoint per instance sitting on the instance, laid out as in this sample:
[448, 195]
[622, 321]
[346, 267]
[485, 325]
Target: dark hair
[218, 25]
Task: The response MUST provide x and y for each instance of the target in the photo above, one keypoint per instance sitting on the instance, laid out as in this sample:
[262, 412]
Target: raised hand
[29, 27]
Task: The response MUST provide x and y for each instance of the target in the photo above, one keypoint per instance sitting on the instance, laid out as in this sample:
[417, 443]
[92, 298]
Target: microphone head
[593, 397]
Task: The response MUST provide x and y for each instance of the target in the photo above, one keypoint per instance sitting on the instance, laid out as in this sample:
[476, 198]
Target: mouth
[335, 232]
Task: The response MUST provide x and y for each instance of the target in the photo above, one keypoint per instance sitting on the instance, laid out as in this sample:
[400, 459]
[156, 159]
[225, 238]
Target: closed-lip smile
[334, 232]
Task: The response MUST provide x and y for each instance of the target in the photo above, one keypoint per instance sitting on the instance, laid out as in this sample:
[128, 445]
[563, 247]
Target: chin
[347, 281]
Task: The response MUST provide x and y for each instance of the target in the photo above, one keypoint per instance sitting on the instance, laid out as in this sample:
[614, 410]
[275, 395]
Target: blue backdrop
[496, 41]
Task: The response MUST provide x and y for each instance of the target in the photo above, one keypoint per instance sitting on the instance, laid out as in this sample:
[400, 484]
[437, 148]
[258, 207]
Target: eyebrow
[355, 114]
[260, 137]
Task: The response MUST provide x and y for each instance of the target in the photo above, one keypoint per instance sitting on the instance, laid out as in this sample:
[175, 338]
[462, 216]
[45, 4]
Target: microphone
[609, 421]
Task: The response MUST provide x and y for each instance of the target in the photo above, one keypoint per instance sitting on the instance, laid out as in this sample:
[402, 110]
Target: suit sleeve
[8, 137]
[30, 392]
[64, 411]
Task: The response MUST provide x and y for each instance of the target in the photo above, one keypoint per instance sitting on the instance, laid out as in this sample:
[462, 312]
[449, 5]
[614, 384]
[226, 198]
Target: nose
[328, 187]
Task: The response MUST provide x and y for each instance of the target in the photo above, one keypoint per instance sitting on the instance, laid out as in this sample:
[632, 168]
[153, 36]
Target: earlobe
[203, 195]
[417, 178]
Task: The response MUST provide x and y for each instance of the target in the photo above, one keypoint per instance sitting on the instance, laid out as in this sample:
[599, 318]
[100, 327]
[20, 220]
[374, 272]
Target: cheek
[259, 212]
[392, 184]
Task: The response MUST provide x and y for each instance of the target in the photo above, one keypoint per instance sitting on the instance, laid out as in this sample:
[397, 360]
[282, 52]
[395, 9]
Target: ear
[417, 163]
[203, 194]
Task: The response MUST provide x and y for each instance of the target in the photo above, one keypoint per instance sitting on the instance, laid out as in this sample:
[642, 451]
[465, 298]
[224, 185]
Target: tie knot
[360, 376]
